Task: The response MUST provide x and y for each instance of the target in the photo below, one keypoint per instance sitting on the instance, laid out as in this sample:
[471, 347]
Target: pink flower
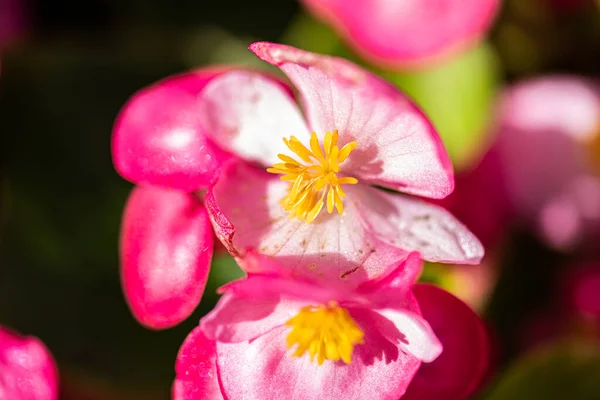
[407, 32]
[316, 209]
[277, 337]
[27, 370]
[166, 238]
[549, 144]
[12, 21]
[274, 337]
[187, 131]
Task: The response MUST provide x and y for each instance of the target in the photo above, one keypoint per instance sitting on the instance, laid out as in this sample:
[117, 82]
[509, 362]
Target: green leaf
[309, 34]
[224, 269]
[568, 370]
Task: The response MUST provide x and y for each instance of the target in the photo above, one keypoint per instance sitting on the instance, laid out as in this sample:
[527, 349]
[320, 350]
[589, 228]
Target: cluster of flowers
[337, 278]
[308, 204]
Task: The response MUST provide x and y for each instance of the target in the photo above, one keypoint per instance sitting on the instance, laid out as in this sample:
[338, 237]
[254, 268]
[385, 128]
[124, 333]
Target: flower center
[314, 182]
[327, 332]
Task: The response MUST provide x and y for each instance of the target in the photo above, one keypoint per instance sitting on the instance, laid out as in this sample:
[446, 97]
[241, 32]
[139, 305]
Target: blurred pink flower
[12, 21]
[27, 370]
[365, 133]
[464, 364]
[401, 33]
[581, 288]
[255, 343]
[166, 237]
[547, 134]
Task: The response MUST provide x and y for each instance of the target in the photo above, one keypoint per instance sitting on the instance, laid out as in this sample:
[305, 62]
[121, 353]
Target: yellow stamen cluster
[327, 332]
[314, 182]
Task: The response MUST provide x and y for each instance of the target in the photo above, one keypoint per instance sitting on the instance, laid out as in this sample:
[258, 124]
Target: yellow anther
[327, 332]
[315, 183]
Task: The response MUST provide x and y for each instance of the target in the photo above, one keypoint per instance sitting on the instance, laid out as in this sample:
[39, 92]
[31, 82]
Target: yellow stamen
[327, 332]
[314, 184]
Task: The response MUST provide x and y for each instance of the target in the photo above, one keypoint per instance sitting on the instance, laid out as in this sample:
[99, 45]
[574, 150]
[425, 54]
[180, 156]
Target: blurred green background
[62, 83]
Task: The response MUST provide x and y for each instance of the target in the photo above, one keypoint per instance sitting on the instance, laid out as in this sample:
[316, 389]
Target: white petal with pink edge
[249, 114]
[412, 334]
[397, 145]
[415, 225]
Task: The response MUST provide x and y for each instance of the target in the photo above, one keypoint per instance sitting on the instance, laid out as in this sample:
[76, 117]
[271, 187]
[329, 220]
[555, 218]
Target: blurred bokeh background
[67, 67]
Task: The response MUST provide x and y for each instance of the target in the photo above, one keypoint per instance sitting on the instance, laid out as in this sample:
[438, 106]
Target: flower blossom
[275, 337]
[549, 146]
[319, 206]
[232, 133]
[407, 32]
[27, 370]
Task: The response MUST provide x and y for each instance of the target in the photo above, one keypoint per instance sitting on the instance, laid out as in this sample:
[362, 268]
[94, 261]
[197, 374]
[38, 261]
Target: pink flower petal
[458, 371]
[416, 225]
[158, 138]
[397, 145]
[264, 369]
[254, 305]
[27, 370]
[196, 369]
[411, 333]
[242, 318]
[166, 249]
[266, 288]
[388, 290]
[408, 32]
[400, 278]
[249, 114]
[246, 212]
